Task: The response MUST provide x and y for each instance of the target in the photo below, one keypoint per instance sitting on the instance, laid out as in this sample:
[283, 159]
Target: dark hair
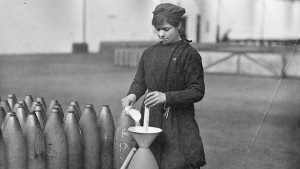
[159, 20]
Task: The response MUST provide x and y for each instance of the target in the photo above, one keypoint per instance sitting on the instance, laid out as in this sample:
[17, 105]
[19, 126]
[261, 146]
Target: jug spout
[133, 113]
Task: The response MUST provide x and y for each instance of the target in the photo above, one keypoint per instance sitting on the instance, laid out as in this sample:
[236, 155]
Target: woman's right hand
[128, 100]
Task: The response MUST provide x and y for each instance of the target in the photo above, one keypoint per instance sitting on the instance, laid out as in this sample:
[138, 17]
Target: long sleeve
[194, 79]
[138, 86]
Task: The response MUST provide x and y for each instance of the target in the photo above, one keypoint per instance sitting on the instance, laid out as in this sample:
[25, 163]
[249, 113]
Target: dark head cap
[169, 10]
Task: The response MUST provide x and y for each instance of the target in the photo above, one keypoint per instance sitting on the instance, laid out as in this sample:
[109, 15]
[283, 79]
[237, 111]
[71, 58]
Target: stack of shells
[36, 136]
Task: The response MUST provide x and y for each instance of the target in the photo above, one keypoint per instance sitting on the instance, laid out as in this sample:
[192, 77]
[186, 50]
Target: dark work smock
[177, 71]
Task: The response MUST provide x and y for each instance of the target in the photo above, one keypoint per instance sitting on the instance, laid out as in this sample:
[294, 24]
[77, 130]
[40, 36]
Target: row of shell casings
[45, 137]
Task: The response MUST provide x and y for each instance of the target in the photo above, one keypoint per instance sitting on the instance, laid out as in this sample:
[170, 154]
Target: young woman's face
[167, 33]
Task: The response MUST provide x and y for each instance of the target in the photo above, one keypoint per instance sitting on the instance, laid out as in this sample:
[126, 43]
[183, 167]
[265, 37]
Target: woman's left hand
[154, 98]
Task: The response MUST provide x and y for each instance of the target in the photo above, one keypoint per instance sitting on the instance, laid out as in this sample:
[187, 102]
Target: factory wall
[35, 26]
[52, 26]
[255, 19]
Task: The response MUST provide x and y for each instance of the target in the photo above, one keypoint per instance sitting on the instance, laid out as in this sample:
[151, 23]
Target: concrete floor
[229, 116]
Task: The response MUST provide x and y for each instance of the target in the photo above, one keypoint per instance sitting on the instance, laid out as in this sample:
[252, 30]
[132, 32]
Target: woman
[172, 74]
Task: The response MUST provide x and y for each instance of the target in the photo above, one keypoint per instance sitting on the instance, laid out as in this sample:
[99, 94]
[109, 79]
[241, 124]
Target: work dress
[177, 71]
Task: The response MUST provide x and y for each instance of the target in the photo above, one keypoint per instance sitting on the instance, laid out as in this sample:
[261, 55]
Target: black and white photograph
[150, 84]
